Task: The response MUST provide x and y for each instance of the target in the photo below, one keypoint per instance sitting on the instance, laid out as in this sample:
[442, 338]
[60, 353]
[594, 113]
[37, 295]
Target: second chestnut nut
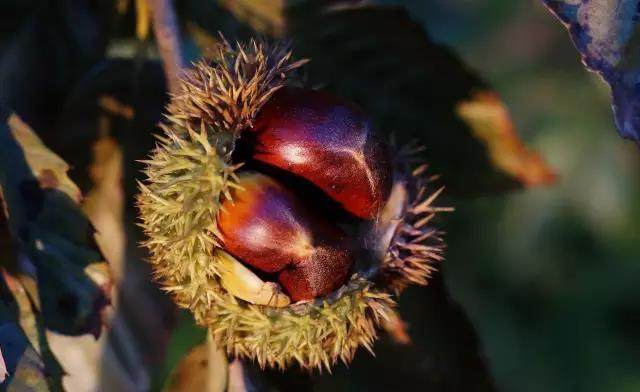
[267, 227]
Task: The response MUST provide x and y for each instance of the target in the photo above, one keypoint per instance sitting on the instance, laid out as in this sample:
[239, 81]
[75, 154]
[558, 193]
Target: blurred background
[547, 275]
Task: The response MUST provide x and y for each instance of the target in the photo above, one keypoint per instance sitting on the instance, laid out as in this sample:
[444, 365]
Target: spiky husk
[178, 204]
[312, 334]
[416, 246]
[188, 174]
[227, 94]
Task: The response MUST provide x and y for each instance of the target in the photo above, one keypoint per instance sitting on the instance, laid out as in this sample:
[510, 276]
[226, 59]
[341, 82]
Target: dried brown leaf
[112, 106]
[265, 16]
[142, 19]
[489, 120]
[104, 205]
[397, 329]
[47, 167]
[54, 234]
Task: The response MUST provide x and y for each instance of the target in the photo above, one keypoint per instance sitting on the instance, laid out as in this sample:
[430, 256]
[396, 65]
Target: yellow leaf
[142, 19]
[265, 16]
[112, 106]
[26, 316]
[122, 6]
[489, 121]
[46, 166]
[397, 329]
[104, 203]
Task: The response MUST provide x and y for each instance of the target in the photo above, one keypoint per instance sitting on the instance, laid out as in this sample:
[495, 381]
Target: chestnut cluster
[280, 231]
[259, 194]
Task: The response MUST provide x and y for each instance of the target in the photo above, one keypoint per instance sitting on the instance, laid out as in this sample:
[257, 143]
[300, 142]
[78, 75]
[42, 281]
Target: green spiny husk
[227, 94]
[313, 334]
[417, 246]
[190, 173]
[178, 205]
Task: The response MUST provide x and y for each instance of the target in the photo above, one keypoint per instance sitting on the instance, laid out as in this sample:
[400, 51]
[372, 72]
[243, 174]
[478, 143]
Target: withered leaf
[265, 16]
[22, 367]
[104, 204]
[46, 166]
[489, 121]
[54, 233]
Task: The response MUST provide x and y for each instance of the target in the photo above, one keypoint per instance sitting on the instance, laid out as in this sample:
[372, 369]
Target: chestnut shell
[329, 142]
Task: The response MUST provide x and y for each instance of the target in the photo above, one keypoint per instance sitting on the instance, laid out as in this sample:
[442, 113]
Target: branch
[167, 36]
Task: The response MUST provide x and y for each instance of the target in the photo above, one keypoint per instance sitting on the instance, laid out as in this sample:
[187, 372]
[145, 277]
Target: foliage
[58, 65]
[605, 34]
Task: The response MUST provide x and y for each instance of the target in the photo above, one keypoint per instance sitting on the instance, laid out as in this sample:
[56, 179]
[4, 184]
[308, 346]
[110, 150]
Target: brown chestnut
[267, 227]
[330, 143]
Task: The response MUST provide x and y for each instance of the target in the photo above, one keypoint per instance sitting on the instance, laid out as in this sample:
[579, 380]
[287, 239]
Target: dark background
[549, 276]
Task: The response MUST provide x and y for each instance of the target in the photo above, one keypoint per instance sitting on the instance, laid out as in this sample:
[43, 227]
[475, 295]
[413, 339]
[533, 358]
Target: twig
[217, 369]
[167, 36]
[236, 377]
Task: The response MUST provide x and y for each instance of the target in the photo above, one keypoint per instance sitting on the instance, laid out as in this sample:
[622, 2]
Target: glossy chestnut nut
[267, 227]
[330, 143]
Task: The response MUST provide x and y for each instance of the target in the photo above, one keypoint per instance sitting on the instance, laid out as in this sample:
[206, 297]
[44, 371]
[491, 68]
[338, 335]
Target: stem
[218, 368]
[167, 36]
[236, 377]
